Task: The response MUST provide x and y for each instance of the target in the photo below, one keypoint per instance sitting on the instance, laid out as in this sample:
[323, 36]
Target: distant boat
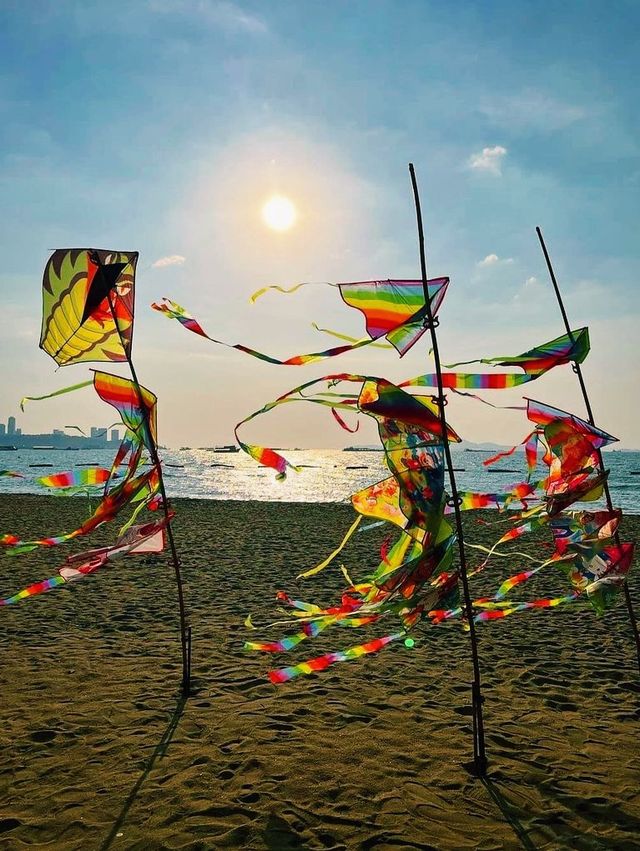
[361, 449]
[228, 448]
[358, 468]
[48, 448]
[8, 448]
[41, 465]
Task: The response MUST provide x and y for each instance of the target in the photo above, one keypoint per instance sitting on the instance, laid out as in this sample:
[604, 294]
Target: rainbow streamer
[88, 477]
[320, 663]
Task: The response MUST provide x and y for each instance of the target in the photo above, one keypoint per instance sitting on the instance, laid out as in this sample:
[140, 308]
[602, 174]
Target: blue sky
[163, 125]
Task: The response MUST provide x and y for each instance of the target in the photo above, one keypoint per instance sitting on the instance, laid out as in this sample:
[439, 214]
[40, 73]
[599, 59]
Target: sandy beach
[99, 752]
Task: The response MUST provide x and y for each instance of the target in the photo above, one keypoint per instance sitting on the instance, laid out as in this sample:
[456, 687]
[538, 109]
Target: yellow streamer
[336, 552]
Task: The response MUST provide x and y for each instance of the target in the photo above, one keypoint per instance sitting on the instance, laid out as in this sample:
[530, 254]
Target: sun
[279, 213]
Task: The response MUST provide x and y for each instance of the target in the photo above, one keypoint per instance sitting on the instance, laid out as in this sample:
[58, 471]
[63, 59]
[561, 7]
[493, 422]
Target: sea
[325, 475]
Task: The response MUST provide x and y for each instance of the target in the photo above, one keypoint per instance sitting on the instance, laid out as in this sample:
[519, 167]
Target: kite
[584, 549]
[88, 305]
[143, 539]
[135, 488]
[415, 577]
[395, 310]
[11, 474]
[126, 492]
[568, 348]
[415, 573]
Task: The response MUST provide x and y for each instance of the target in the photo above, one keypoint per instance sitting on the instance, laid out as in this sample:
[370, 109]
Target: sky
[163, 126]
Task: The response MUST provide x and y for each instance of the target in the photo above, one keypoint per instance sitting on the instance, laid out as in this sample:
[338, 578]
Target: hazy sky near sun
[163, 126]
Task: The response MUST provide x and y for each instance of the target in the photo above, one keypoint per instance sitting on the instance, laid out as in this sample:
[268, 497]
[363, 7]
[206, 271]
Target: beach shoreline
[99, 752]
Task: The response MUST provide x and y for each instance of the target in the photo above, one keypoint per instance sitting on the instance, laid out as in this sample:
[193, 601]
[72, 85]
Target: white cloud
[531, 108]
[490, 160]
[531, 282]
[221, 14]
[171, 260]
[494, 260]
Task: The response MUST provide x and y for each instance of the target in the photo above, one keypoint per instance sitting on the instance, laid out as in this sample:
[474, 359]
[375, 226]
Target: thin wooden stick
[590, 417]
[479, 753]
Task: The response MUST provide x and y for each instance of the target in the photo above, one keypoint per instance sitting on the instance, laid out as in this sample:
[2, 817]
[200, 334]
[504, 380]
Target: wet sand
[99, 752]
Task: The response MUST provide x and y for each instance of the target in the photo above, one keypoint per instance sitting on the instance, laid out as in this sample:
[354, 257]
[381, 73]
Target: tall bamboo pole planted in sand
[583, 387]
[479, 754]
[185, 631]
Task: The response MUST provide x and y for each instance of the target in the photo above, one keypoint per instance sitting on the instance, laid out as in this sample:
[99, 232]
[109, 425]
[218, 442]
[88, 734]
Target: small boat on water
[8, 448]
[228, 448]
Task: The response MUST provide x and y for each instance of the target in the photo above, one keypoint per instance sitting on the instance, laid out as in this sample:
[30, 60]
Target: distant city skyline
[105, 433]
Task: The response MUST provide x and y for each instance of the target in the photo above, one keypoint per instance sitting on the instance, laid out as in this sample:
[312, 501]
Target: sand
[99, 752]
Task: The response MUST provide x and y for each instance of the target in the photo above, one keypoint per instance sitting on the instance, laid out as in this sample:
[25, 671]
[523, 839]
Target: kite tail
[173, 310]
[55, 393]
[32, 590]
[320, 663]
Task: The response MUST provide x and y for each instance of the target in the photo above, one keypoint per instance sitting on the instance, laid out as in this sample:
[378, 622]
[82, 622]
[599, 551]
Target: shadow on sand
[158, 752]
[507, 811]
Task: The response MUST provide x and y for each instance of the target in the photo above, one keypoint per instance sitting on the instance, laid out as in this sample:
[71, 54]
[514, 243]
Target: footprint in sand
[42, 736]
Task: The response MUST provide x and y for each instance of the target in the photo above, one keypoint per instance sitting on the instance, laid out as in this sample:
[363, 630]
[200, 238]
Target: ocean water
[327, 475]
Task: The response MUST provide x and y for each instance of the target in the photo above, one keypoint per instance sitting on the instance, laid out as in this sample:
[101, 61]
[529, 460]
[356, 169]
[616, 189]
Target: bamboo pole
[587, 403]
[185, 632]
[479, 753]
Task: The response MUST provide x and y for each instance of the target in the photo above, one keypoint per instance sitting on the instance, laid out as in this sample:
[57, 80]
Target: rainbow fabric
[32, 590]
[392, 309]
[414, 573]
[535, 363]
[321, 663]
[123, 395]
[111, 504]
[87, 477]
[138, 540]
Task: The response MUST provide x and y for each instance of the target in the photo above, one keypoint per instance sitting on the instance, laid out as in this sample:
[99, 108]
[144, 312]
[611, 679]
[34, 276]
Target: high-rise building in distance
[11, 425]
[115, 435]
[3, 429]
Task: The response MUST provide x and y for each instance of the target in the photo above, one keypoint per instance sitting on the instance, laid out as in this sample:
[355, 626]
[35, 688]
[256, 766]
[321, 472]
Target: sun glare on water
[279, 213]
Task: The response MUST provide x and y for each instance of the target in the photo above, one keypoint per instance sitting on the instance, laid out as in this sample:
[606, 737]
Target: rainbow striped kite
[395, 310]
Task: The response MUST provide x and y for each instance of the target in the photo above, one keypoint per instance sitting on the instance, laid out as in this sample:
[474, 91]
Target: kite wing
[395, 309]
[123, 395]
[534, 363]
[87, 305]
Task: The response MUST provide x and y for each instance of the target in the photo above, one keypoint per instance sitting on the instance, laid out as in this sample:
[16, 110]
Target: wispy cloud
[220, 14]
[493, 260]
[171, 260]
[489, 160]
[531, 109]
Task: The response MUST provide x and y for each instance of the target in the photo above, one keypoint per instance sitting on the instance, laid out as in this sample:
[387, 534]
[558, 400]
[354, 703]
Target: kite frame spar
[185, 631]
[479, 753]
[587, 403]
